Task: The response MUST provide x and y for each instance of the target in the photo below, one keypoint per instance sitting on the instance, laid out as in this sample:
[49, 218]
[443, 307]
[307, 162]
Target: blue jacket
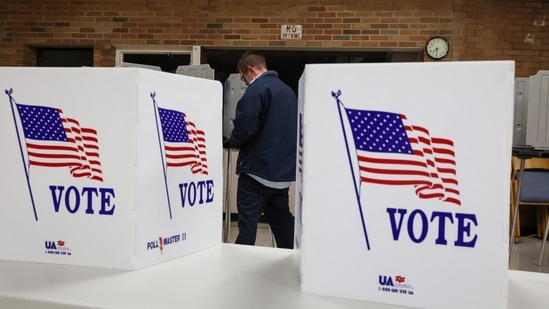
[265, 129]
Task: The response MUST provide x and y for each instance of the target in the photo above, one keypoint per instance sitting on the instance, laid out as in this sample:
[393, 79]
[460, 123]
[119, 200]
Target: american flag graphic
[54, 140]
[184, 145]
[391, 151]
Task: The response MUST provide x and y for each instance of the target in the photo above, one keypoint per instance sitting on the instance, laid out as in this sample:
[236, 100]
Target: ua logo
[50, 245]
[386, 280]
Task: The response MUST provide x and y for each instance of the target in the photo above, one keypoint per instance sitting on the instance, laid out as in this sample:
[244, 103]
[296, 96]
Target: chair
[534, 191]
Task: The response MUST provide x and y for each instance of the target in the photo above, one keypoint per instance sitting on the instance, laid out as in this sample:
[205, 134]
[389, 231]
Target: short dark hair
[253, 58]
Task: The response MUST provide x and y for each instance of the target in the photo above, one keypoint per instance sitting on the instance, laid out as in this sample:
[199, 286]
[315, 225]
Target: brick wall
[476, 29]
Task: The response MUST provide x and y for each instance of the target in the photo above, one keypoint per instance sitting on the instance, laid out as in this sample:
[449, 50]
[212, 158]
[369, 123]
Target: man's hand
[226, 142]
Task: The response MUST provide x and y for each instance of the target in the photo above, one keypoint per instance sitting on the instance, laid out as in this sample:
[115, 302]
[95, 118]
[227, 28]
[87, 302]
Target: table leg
[227, 223]
[517, 199]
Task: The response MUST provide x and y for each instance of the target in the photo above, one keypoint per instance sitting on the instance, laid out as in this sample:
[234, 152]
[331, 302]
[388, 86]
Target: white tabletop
[226, 276]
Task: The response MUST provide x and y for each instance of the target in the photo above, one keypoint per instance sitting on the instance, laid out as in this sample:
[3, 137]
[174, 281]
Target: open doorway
[289, 64]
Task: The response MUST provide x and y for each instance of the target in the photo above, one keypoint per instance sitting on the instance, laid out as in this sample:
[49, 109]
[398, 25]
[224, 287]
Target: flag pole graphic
[12, 102]
[153, 95]
[357, 187]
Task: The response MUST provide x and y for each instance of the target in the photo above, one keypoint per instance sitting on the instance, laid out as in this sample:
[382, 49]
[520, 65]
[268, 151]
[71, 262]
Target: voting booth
[108, 167]
[403, 182]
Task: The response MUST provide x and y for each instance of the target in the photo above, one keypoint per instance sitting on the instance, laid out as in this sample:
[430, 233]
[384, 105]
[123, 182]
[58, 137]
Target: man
[265, 131]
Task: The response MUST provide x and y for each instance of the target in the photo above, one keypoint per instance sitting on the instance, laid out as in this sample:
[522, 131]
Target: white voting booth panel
[108, 167]
[403, 182]
[537, 109]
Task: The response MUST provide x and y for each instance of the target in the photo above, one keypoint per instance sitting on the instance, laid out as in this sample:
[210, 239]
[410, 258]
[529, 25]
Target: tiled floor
[525, 253]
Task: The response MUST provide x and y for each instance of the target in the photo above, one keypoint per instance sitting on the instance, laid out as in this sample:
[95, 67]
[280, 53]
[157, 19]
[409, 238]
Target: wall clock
[437, 47]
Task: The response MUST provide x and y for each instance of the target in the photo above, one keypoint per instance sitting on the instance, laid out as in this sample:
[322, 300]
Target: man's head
[250, 65]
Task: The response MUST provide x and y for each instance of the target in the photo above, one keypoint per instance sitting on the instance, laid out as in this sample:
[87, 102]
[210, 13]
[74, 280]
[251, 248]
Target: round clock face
[437, 47]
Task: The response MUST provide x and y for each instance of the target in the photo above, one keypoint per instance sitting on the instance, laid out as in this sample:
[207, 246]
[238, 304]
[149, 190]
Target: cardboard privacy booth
[108, 167]
[403, 182]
